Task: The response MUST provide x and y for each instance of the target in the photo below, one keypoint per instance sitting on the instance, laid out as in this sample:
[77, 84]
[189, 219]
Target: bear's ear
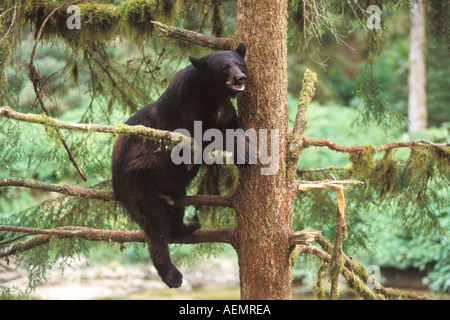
[241, 50]
[199, 63]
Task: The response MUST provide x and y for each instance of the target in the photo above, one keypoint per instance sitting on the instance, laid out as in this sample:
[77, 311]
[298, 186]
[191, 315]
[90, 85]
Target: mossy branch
[296, 137]
[119, 129]
[356, 273]
[353, 281]
[104, 21]
[337, 260]
[167, 135]
[193, 37]
[306, 94]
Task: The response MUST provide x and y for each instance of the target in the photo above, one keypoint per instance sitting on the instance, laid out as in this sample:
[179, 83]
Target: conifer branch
[39, 82]
[355, 279]
[296, 145]
[65, 189]
[44, 236]
[193, 37]
[108, 195]
[303, 237]
[306, 94]
[337, 260]
[301, 171]
[168, 135]
[119, 129]
[314, 142]
[206, 200]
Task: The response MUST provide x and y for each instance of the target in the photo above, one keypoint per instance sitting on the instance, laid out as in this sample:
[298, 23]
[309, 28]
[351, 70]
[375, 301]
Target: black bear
[145, 179]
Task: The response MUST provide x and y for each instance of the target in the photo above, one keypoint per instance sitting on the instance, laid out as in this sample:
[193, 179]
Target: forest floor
[209, 280]
[141, 281]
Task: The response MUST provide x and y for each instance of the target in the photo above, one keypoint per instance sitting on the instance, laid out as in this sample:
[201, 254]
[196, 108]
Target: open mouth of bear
[236, 87]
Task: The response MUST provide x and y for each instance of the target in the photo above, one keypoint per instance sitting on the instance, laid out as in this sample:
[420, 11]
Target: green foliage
[11, 24]
[59, 212]
[137, 15]
[367, 68]
[405, 194]
[374, 106]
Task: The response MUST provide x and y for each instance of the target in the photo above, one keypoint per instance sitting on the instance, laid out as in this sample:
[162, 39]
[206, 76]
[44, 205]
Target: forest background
[385, 231]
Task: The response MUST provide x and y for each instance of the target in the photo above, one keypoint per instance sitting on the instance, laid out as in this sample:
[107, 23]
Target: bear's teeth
[240, 88]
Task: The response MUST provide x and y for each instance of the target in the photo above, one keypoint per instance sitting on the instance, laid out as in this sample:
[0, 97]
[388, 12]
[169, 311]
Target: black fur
[145, 179]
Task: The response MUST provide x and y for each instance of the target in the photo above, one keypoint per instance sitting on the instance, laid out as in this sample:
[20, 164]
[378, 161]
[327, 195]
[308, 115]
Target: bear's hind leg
[153, 216]
[157, 228]
[159, 252]
[178, 229]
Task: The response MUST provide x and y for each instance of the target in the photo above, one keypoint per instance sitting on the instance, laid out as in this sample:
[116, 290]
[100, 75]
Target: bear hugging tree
[146, 180]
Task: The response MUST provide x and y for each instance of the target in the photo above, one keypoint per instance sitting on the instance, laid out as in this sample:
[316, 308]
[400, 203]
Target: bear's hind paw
[172, 277]
[190, 227]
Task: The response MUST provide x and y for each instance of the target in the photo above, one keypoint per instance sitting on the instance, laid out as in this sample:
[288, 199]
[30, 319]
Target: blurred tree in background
[119, 61]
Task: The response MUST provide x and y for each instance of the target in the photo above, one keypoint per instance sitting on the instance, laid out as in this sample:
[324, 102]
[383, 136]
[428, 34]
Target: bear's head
[225, 70]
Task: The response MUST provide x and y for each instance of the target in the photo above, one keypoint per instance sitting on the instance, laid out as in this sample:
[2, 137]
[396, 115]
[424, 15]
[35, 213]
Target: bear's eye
[224, 66]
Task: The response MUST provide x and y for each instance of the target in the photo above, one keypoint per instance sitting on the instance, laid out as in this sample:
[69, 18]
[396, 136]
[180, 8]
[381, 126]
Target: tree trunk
[262, 202]
[417, 101]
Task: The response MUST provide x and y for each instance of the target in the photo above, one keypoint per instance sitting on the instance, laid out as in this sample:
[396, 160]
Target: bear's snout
[241, 79]
[237, 82]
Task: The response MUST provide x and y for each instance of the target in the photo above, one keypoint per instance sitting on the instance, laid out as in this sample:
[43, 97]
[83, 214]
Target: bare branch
[222, 235]
[303, 186]
[206, 200]
[193, 37]
[304, 237]
[314, 142]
